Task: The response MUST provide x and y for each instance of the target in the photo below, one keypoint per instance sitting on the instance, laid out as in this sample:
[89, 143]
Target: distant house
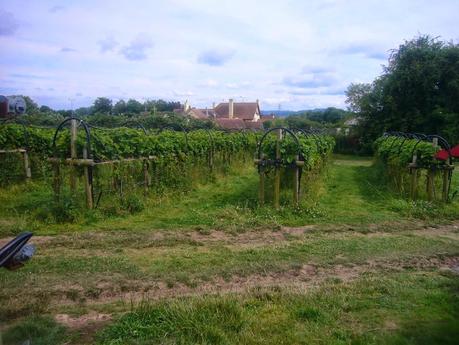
[352, 122]
[348, 126]
[229, 115]
[196, 113]
[246, 111]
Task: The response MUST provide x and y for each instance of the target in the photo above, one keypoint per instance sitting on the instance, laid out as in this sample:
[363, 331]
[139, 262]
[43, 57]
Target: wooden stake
[277, 177]
[73, 154]
[296, 176]
[56, 181]
[414, 183]
[28, 173]
[87, 181]
[430, 185]
[146, 176]
[445, 186]
[262, 182]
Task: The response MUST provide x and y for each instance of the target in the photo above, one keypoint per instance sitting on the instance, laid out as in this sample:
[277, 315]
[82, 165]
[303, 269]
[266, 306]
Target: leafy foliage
[312, 149]
[399, 151]
[417, 92]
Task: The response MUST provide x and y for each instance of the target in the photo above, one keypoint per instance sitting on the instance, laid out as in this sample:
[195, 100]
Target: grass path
[210, 268]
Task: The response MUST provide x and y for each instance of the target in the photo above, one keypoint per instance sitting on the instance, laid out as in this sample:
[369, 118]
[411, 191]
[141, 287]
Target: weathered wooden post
[414, 178]
[28, 172]
[277, 175]
[261, 170]
[296, 184]
[146, 176]
[430, 184]
[56, 180]
[445, 186]
[87, 180]
[73, 154]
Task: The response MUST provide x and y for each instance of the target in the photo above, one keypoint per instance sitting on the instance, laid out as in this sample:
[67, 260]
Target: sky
[289, 55]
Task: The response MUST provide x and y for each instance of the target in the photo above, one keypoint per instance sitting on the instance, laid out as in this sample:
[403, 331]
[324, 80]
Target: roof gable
[242, 110]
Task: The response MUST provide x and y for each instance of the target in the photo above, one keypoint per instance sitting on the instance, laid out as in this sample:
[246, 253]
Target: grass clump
[206, 321]
[35, 330]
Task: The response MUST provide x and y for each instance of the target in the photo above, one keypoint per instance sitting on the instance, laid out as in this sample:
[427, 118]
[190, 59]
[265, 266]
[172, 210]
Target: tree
[417, 92]
[357, 97]
[84, 111]
[102, 105]
[119, 107]
[133, 106]
[45, 109]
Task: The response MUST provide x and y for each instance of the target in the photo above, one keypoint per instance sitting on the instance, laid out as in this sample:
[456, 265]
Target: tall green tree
[418, 91]
[119, 107]
[134, 107]
[102, 105]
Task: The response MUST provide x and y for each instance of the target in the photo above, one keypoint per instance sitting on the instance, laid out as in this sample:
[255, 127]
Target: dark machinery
[11, 106]
[15, 253]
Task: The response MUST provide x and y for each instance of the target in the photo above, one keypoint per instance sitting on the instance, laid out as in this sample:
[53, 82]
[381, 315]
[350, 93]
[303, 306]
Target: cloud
[367, 50]
[28, 76]
[215, 57]
[107, 44]
[310, 80]
[67, 50]
[328, 91]
[56, 8]
[8, 23]
[182, 93]
[137, 49]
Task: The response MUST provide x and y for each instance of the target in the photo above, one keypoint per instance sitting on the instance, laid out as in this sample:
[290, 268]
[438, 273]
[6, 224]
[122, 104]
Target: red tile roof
[230, 123]
[242, 110]
[253, 125]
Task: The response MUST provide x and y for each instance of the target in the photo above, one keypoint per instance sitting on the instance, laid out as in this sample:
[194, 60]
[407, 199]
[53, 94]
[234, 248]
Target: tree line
[418, 91]
[104, 105]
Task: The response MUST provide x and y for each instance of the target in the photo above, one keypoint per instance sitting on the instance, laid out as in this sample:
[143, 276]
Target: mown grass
[187, 240]
[394, 309]
[352, 192]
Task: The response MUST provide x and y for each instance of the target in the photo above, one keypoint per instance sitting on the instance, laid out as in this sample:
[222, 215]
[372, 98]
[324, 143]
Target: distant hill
[284, 113]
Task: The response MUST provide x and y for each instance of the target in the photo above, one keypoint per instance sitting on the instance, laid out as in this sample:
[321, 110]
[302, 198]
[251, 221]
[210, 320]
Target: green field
[357, 264]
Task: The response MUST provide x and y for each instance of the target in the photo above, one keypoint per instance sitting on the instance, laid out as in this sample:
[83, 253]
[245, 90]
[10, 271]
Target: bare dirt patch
[304, 277]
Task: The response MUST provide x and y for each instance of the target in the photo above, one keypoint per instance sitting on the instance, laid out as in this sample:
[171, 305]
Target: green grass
[217, 234]
[395, 309]
[35, 330]
[352, 192]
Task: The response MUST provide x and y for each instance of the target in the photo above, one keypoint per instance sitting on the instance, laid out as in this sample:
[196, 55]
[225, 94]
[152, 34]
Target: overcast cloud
[296, 54]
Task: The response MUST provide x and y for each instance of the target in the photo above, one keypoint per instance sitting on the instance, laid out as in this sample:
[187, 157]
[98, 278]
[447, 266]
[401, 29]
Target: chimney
[230, 108]
[186, 106]
[213, 106]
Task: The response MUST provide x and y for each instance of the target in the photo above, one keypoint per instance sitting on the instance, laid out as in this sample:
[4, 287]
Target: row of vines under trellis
[287, 159]
[413, 160]
[92, 163]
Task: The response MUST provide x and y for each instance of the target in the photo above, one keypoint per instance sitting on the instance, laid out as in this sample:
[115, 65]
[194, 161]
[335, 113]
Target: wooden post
[430, 184]
[414, 183]
[56, 181]
[28, 173]
[146, 176]
[277, 177]
[445, 186]
[296, 176]
[414, 178]
[262, 181]
[87, 181]
[73, 154]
